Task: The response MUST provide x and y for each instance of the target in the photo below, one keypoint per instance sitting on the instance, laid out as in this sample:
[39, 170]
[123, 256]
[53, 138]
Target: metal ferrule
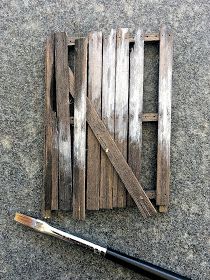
[45, 228]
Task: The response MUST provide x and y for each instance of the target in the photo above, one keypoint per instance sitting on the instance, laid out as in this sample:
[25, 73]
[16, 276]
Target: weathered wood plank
[108, 99]
[94, 94]
[164, 120]
[136, 106]
[147, 38]
[55, 148]
[62, 102]
[118, 161]
[121, 107]
[49, 92]
[80, 128]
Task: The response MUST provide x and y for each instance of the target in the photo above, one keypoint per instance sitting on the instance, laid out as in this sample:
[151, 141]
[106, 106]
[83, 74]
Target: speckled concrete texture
[177, 240]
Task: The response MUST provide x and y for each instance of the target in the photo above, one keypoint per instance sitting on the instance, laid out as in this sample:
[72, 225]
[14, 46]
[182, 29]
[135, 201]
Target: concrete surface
[177, 240]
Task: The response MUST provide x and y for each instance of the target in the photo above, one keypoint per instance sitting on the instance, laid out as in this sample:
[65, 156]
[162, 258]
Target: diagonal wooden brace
[115, 156]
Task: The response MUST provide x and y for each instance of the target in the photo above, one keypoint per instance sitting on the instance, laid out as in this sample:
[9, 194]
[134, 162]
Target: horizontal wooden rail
[147, 38]
[147, 117]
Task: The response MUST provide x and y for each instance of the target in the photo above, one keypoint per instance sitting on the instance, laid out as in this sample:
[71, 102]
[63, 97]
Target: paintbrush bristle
[25, 220]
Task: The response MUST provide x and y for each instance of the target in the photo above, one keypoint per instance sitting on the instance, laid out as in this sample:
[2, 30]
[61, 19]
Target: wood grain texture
[115, 156]
[55, 149]
[80, 128]
[94, 94]
[147, 38]
[49, 92]
[121, 107]
[164, 120]
[63, 114]
[108, 99]
[150, 117]
[146, 117]
[118, 161]
[136, 106]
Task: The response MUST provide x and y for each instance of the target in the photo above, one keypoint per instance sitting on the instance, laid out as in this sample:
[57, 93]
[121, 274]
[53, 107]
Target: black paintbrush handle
[150, 270]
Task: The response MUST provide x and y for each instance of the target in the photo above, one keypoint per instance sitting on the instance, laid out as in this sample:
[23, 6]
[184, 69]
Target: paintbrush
[152, 271]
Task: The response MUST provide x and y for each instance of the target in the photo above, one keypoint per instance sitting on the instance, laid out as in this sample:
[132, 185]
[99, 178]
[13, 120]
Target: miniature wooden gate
[93, 122]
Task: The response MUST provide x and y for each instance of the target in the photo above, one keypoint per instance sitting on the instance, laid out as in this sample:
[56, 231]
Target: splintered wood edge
[147, 38]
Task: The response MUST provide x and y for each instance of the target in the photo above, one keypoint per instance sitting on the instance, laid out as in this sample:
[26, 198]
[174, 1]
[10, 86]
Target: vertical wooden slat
[164, 120]
[80, 128]
[121, 106]
[62, 102]
[49, 92]
[54, 199]
[116, 158]
[118, 161]
[94, 94]
[108, 97]
[136, 106]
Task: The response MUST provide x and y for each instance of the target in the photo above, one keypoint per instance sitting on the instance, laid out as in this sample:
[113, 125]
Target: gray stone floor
[177, 240]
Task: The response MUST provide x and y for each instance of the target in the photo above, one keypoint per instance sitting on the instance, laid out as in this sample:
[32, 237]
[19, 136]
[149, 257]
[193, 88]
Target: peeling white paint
[122, 76]
[65, 150]
[95, 68]
[108, 83]
[136, 89]
[164, 118]
[80, 127]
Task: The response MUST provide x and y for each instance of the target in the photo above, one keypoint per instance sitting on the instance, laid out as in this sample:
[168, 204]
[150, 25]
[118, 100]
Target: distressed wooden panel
[121, 107]
[49, 92]
[164, 120]
[119, 163]
[136, 106]
[94, 94]
[115, 156]
[108, 97]
[80, 128]
[62, 103]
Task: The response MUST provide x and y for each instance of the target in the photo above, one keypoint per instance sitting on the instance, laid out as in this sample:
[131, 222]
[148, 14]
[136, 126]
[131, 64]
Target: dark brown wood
[54, 198]
[80, 128]
[94, 94]
[115, 156]
[164, 120]
[63, 114]
[49, 92]
[136, 106]
[108, 98]
[121, 107]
